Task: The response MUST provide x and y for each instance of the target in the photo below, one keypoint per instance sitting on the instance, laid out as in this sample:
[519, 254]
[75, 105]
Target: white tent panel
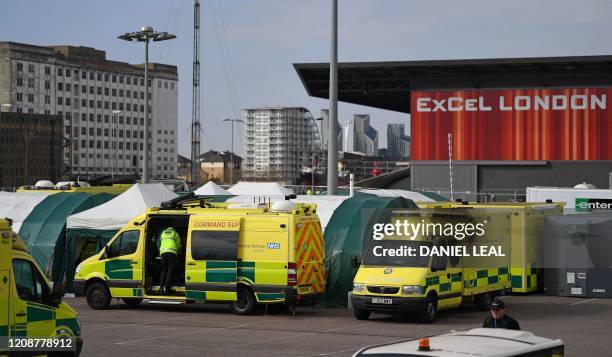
[326, 205]
[211, 189]
[411, 195]
[18, 205]
[117, 212]
[261, 189]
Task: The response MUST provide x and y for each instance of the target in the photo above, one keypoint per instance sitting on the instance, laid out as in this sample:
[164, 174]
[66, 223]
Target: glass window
[30, 284]
[214, 245]
[125, 244]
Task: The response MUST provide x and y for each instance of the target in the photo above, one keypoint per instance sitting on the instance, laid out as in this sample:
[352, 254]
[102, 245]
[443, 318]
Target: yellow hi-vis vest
[170, 242]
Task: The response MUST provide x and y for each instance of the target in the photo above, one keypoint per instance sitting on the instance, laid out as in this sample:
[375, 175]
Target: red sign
[534, 124]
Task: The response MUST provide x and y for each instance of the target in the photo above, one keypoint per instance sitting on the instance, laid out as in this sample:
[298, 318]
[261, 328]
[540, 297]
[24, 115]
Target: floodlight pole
[145, 35]
[232, 148]
[332, 140]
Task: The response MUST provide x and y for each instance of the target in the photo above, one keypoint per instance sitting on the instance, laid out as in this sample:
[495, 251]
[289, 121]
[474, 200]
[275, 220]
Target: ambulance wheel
[132, 301]
[246, 303]
[98, 296]
[361, 314]
[430, 309]
[484, 301]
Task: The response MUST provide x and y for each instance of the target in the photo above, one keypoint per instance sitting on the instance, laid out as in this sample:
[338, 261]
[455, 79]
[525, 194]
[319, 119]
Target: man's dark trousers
[168, 263]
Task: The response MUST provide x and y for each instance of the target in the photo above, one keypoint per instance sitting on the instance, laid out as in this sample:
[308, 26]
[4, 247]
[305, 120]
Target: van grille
[383, 289]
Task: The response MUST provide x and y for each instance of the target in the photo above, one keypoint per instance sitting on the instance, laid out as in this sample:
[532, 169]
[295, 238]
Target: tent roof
[260, 189]
[18, 205]
[116, 213]
[211, 188]
[411, 195]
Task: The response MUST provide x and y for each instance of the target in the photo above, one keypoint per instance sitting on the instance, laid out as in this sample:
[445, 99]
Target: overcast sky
[249, 46]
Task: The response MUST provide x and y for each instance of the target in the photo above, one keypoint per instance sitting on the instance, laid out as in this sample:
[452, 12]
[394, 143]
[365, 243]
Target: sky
[248, 47]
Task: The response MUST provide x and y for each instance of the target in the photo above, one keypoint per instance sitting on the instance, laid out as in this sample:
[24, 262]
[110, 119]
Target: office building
[398, 143]
[101, 103]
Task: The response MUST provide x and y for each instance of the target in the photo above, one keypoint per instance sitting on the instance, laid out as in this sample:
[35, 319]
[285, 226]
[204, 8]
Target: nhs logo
[273, 245]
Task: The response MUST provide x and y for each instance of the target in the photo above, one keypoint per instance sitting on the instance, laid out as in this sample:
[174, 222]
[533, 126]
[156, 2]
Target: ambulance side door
[30, 315]
[123, 264]
[211, 262]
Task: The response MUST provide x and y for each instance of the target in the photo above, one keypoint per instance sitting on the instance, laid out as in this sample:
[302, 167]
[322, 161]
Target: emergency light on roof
[283, 206]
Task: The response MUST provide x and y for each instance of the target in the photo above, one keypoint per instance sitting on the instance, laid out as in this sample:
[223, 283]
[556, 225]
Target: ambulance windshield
[400, 253]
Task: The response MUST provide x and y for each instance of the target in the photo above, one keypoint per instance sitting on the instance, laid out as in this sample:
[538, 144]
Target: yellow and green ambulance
[32, 314]
[242, 254]
[424, 282]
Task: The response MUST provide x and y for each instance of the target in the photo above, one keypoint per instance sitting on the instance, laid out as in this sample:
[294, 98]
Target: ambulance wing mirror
[57, 292]
[355, 262]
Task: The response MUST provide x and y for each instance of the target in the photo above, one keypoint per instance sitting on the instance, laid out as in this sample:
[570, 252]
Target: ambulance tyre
[430, 309]
[98, 296]
[361, 314]
[246, 303]
[483, 301]
[132, 301]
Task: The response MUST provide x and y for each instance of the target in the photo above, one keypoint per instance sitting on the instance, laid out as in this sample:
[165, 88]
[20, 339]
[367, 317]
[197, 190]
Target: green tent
[44, 230]
[348, 232]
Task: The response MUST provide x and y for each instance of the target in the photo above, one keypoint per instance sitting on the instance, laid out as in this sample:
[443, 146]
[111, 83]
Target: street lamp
[115, 127]
[232, 150]
[145, 35]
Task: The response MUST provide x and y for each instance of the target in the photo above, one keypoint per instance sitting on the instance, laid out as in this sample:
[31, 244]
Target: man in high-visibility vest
[169, 248]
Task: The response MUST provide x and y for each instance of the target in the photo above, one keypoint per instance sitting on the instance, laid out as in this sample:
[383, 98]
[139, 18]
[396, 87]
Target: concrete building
[216, 166]
[280, 142]
[30, 148]
[398, 143]
[101, 103]
[365, 137]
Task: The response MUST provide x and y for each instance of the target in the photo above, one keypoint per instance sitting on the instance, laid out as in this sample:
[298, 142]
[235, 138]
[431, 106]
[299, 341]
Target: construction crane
[195, 108]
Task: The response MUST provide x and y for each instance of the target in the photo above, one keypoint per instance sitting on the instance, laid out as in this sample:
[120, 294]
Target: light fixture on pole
[115, 127]
[145, 35]
[232, 149]
[332, 146]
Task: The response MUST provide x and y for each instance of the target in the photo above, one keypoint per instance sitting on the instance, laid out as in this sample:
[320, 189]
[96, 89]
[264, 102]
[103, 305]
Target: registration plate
[382, 301]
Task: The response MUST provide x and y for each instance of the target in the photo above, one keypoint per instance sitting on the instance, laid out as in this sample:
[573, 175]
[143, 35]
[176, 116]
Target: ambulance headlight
[412, 290]
[78, 269]
[358, 288]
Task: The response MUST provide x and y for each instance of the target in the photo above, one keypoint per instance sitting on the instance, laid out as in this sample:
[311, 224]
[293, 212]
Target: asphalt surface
[584, 325]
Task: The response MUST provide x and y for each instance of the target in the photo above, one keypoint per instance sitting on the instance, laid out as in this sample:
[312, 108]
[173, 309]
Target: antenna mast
[195, 109]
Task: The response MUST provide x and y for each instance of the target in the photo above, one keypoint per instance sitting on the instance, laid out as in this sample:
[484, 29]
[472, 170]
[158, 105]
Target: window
[60, 72]
[99, 90]
[30, 284]
[125, 244]
[128, 80]
[91, 90]
[68, 102]
[84, 75]
[99, 76]
[60, 101]
[31, 98]
[47, 70]
[19, 67]
[19, 97]
[67, 73]
[214, 245]
[172, 85]
[30, 82]
[60, 86]
[84, 89]
[106, 91]
[47, 99]
[91, 76]
[19, 81]
[114, 78]
[68, 87]
[47, 84]
[106, 76]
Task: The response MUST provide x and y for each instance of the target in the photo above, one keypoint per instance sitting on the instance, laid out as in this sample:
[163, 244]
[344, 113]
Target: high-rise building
[365, 137]
[101, 103]
[398, 143]
[280, 142]
[325, 131]
[30, 148]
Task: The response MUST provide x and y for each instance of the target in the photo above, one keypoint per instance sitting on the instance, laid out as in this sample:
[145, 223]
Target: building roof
[387, 85]
[86, 57]
[218, 156]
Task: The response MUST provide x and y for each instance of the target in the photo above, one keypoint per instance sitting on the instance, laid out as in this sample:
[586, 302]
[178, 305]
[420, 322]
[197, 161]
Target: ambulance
[239, 253]
[33, 318]
[442, 273]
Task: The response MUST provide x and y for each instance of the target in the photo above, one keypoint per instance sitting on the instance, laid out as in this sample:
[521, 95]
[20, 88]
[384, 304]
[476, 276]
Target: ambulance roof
[478, 342]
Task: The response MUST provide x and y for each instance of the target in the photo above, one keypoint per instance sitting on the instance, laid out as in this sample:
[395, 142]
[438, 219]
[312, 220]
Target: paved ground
[200, 330]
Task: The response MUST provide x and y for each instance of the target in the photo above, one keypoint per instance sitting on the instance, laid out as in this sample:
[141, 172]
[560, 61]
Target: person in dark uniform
[499, 319]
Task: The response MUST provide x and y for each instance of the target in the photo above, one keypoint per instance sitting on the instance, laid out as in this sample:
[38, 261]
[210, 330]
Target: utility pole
[332, 140]
[232, 148]
[195, 108]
